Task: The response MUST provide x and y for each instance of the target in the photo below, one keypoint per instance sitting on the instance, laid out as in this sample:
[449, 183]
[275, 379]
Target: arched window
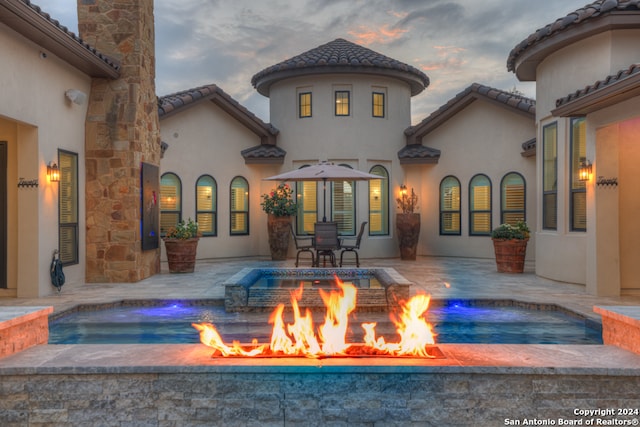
[239, 206]
[480, 205]
[450, 206]
[170, 201]
[307, 199]
[379, 202]
[343, 206]
[207, 205]
[512, 199]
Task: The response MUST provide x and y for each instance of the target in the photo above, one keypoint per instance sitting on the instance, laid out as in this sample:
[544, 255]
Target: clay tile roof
[340, 56]
[179, 101]
[529, 148]
[588, 13]
[613, 88]
[33, 23]
[263, 154]
[418, 154]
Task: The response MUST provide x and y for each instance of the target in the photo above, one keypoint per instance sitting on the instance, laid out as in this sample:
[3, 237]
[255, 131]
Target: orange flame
[300, 339]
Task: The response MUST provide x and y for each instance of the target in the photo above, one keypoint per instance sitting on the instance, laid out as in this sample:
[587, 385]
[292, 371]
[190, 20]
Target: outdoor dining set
[325, 242]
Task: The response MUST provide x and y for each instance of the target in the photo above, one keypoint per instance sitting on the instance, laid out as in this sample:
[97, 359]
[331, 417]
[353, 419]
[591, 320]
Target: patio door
[3, 214]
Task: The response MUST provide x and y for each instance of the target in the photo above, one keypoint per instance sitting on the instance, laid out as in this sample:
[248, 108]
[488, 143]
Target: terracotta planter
[510, 254]
[181, 254]
[408, 228]
[278, 228]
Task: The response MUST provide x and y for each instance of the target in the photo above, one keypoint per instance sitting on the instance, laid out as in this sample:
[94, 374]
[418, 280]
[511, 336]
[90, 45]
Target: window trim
[246, 212]
[300, 95]
[452, 211]
[214, 207]
[502, 197]
[384, 204]
[75, 226]
[335, 101]
[473, 211]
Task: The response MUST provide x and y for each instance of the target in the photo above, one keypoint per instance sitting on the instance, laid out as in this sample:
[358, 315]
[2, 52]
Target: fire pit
[263, 289]
[302, 338]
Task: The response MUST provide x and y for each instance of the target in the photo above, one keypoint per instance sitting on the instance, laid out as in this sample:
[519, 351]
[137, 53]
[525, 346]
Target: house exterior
[485, 157]
[587, 114]
[349, 105]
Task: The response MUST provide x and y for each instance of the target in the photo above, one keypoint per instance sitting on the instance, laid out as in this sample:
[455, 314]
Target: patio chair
[303, 244]
[326, 241]
[354, 246]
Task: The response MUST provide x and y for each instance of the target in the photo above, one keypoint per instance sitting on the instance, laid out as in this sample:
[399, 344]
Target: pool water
[319, 282]
[453, 323]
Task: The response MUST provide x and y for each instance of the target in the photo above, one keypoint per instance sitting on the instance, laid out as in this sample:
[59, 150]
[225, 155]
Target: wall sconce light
[53, 172]
[584, 171]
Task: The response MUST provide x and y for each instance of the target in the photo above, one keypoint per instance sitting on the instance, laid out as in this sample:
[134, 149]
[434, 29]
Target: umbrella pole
[324, 200]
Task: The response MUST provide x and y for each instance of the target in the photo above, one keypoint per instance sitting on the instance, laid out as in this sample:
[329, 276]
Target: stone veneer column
[122, 130]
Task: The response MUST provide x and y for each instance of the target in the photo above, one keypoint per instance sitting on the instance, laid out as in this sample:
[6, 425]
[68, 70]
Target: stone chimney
[122, 131]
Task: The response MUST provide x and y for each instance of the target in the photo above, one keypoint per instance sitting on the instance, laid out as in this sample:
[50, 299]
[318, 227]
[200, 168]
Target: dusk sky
[226, 42]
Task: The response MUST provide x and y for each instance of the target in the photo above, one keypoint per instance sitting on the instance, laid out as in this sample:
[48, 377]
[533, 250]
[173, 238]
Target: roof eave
[30, 24]
[600, 98]
[420, 161]
[526, 63]
[264, 83]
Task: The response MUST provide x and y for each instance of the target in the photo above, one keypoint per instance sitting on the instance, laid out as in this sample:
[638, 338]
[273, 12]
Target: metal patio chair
[346, 247]
[326, 241]
[303, 244]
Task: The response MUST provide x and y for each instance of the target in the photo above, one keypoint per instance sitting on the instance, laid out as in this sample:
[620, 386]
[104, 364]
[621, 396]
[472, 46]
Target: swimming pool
[462, 321]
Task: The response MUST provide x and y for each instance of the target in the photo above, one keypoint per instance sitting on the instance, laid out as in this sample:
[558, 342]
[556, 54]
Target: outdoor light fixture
[53, 172]
[584, 171]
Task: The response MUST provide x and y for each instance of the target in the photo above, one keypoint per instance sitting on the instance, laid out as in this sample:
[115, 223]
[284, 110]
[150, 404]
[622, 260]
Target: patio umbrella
[323, 171]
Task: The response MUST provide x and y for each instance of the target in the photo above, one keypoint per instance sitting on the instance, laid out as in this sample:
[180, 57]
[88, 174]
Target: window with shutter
[68, 208]
[513, 195]
[480, 206]
[206, 205]
[450, 206]
[578, 200]
[379, 202]
[239, 206]
[550, 176]
[170, 201]
[307, 199]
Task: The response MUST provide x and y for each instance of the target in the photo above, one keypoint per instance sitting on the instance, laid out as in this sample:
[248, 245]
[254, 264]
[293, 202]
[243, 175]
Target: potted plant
[510, 246]
[280, 207]
[181, 243]
[408, 224]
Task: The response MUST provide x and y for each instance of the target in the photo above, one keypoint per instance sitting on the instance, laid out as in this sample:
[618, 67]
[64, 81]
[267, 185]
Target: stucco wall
[206, 140]
[484, 138]
[36, 119]
[562, 254]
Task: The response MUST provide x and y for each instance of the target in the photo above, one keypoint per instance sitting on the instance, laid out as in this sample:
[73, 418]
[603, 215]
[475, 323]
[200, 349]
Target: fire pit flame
[300, 339]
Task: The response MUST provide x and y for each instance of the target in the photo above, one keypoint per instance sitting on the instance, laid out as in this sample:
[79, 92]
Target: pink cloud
[366, 36]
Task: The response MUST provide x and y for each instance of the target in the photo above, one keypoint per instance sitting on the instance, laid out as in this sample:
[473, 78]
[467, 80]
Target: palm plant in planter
[181, 244]
[510, 246]
[280, 207]
[408, 224]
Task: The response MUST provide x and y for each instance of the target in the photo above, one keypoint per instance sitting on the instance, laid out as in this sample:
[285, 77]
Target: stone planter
[181, 254]
[279, 230]
[510, 254]
[408, 228]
